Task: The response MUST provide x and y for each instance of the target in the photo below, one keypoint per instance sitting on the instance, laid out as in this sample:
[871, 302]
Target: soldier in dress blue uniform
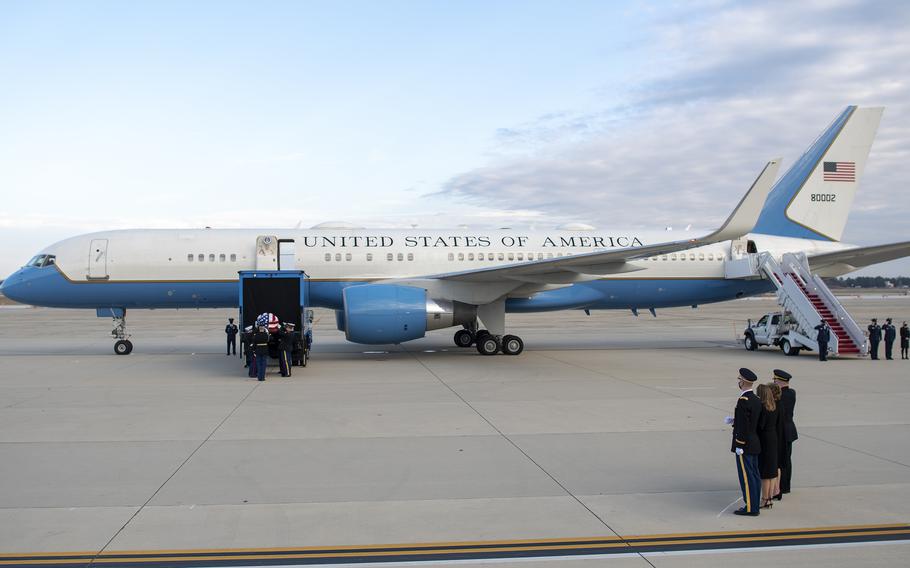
[286, 349]
[890, 336]
[231, 330]
[875, 337]
[822, 336]
[905, 341]
[746, 444]
[787, 407]
[261, 350]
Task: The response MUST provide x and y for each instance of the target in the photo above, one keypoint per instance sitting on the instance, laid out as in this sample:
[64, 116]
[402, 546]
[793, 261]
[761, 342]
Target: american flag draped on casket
[269, 320]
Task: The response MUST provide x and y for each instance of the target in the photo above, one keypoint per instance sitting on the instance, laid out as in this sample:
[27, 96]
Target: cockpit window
[42, 260]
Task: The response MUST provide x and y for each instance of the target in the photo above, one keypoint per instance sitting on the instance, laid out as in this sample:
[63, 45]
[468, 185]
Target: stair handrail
[791, 297]
[815, 284]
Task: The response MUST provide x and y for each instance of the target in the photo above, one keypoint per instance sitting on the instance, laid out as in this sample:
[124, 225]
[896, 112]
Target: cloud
[724, 88]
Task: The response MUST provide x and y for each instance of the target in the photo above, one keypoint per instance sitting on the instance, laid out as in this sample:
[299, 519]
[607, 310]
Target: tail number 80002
[824, 197]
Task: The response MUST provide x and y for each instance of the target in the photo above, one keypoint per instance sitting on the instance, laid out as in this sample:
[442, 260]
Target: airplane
[392, 286]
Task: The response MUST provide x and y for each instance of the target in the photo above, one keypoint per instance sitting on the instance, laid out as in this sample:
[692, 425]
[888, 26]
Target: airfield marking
[447, 552]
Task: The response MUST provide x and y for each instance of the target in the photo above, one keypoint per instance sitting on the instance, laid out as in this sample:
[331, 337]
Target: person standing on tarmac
[286, 348]
[261, 349]
[246, 339]
[822, 336]
[890, 335]
[905, 341]
[787, 408]
[746, 444]
[875, 337]
[231, 330]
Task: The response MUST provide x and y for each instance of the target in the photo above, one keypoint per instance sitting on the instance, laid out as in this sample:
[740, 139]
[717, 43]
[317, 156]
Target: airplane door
[97, 259]
[287, 257]
[266, 252]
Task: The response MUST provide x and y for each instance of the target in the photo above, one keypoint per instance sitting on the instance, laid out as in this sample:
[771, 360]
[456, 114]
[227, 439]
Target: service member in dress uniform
[787, 407]
[822, 336]
[231, 331]
[875, 336]
[905, 341]
[261, 350]
[890, 335]
[746, 444]
[286, 349]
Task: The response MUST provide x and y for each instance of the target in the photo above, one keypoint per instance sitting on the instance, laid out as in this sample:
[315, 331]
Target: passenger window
[710, 256]
[511, 256]
[189, 258]
[490, 256]
[222, 257]
[337, 257]
[400, 256]
[410, 256]
[762, 321]
[521, 256]
[233, 258]
[211, 258]
[451, 256]
[691, 256]
[461, 256]
[201, 257]
[369, 257]
[328, 257]
[775, 320]
[347, 257]
[502, 256]
[673, 256]
[470, 256]
[389, 256]
[701, 256]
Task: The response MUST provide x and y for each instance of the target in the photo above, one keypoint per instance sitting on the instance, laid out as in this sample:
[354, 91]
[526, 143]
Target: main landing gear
[123, 345]
[489, 344]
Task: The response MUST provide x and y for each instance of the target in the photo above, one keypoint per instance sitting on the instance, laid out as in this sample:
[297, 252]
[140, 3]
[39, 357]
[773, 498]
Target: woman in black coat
[769, 432]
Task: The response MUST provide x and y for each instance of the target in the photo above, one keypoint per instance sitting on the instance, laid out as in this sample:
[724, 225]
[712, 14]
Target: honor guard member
[231, 330]
[875, 337]
[890, 335]
[286, 348]
[746, 444]
[905, 341]
[787, 407]
[246, 340]
[822, 336]
[261, 350]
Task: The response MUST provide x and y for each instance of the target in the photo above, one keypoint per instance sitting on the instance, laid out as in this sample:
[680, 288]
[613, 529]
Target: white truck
[778, 329]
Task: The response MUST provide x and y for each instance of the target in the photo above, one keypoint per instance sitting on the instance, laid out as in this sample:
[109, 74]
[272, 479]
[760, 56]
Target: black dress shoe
[778, 497]
[743, 511]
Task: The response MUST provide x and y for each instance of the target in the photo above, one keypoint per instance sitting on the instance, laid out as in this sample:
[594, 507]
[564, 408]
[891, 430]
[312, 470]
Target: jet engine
[389, 313]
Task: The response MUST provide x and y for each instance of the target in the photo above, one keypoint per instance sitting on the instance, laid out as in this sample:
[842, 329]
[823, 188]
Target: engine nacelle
[388, 313]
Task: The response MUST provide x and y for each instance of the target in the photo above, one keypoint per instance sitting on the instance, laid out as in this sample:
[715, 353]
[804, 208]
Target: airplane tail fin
[813, 199]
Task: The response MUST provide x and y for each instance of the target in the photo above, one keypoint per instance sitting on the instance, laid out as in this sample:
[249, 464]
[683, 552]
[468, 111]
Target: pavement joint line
[171, 476]
[524, 453]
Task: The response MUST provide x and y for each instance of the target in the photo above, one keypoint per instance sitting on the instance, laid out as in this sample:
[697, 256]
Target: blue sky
[230, 114]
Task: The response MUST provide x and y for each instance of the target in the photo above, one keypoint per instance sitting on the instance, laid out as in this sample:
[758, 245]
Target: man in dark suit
[822, 336]
[787, 406]
[890, 335]
[875, 337]
[746, 444]
[905, 341]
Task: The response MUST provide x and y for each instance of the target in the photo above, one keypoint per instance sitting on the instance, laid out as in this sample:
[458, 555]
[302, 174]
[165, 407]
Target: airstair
[809, 300]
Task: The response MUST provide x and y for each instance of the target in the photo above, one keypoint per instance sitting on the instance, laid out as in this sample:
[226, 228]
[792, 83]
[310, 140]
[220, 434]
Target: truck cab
[771, 329]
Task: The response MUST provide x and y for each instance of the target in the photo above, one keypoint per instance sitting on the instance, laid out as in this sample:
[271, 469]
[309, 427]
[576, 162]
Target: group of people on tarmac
[256, 347]
[877, 332]
[763, 436]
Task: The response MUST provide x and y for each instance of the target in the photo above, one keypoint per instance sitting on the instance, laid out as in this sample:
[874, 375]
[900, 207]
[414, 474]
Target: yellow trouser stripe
[742, 464]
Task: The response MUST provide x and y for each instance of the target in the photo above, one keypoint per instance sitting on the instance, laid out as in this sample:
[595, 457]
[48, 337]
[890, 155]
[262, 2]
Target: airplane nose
[12, 286]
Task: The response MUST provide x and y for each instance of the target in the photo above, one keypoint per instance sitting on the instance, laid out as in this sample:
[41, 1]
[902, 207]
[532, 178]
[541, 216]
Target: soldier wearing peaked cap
[746, 443]
[787, 407]
[875, 337]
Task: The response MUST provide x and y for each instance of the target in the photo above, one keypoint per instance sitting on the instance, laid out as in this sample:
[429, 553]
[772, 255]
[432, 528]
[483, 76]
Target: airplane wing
[530, 277]
[843, 261]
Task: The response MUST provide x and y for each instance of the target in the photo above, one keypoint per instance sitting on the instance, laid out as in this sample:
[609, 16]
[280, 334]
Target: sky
[433, 114]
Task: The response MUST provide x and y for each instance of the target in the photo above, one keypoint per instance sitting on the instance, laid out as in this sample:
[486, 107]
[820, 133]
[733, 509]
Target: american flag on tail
[839, 171]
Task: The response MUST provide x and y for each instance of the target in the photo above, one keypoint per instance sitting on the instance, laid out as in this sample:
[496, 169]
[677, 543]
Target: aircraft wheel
[464, 338]
[123, 347]
[512, 345]
[488, 345]
[749, 343]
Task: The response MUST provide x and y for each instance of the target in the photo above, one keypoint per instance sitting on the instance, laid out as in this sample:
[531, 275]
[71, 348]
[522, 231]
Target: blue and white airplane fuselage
[391, 286]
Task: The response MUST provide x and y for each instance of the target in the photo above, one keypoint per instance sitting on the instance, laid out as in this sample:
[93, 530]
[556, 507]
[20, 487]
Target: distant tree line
[868, 282]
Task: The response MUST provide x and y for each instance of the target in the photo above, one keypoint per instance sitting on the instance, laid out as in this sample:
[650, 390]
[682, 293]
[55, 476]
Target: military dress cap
[782, 375]
[747, 375]
[874, 319]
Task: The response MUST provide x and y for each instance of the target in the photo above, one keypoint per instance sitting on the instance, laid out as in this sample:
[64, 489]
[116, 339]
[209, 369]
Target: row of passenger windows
[348, 257]
[692, 256]
[201, 257]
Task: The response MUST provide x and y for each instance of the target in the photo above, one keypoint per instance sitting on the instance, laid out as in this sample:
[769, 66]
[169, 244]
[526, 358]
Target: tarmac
[589, 448]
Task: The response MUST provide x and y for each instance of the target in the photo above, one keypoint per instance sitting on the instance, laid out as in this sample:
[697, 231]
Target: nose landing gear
[123, 345]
